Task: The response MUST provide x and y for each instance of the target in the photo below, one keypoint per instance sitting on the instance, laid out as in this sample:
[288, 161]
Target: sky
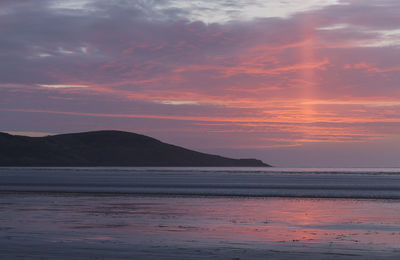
[310, 83]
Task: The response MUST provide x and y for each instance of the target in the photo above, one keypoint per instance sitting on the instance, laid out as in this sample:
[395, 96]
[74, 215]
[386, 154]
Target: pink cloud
[287, 81]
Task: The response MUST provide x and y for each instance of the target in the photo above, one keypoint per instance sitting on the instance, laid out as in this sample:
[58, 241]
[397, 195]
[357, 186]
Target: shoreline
[71, 225]
[197, 214]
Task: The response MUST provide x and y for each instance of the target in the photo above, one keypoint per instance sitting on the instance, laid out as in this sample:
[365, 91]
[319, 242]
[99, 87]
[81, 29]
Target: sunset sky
[295, 83]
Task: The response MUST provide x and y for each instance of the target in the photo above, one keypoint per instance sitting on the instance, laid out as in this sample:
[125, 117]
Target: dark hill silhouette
[104, 148]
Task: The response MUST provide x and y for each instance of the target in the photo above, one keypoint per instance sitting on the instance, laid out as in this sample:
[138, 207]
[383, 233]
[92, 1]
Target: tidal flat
[40, 225]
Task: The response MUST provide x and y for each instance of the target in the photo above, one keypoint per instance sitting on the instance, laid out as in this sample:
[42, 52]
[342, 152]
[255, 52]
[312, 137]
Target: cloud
[63, 86]
[289, 74]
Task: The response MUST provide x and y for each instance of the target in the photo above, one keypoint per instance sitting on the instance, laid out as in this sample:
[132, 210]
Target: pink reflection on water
[361, 222]
[248, 222]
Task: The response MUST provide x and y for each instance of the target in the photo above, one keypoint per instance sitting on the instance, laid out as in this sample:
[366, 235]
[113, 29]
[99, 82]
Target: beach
[54, 221]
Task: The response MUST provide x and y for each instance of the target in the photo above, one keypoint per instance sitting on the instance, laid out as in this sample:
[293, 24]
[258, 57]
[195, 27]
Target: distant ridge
[105, 148]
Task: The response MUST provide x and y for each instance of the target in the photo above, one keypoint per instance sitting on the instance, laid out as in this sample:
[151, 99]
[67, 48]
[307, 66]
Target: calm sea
[199, 213]
[376, 183]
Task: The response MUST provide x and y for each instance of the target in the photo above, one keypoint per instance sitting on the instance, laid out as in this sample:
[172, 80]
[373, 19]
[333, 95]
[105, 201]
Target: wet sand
[83, 226]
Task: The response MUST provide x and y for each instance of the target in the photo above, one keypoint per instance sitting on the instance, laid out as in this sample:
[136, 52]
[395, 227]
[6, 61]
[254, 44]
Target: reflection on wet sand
[147, 224]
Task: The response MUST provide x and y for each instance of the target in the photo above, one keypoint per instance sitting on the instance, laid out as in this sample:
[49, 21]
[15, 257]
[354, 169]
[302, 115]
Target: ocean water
[199, 213]
[374, 183]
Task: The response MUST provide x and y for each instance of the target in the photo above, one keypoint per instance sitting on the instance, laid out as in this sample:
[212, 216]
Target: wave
[212, 170]
[316, 183]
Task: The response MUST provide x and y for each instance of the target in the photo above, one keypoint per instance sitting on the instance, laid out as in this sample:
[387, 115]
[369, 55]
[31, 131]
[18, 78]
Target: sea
[199, 213]
[374, 183]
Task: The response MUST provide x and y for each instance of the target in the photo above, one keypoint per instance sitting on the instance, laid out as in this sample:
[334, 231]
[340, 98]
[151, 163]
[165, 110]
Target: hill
[105, 148]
